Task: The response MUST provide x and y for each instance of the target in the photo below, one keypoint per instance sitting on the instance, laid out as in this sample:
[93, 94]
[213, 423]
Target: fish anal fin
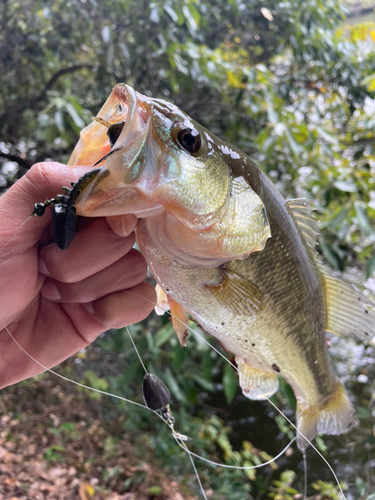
[162, 304]
[348, 312]
[337, 417]
[180, 321]
[256, 384]
[236, 293]
[305, 223]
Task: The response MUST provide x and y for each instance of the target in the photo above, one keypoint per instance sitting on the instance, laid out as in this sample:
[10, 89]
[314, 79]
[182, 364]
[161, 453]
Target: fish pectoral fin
[180, 321]
[348, 312]
[256, 384]
[336, 417]
[162, 304]
[237, 293]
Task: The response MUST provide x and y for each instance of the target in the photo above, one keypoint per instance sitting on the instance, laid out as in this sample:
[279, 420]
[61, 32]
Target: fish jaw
[93, 143]
[129, 181]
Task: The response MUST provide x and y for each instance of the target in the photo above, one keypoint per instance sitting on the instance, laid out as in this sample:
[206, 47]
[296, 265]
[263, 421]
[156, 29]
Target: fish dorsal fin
[306, 225]
[236, 293]
[348, 312]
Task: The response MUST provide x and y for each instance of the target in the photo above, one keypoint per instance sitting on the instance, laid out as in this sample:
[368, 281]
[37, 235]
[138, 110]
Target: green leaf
[230, 383]
[75, 116]
[369, 81]
[164, 334]
[171, 12]
[155, 490]
[106, 34]
[59, 120]
[173, 386]
[362, 218]
[205, 384]
[370, 266]
[190, 16]
[330, 255]
[347, 187]
[154, 14]
[327, 136]
[361, 487]
[295, 147]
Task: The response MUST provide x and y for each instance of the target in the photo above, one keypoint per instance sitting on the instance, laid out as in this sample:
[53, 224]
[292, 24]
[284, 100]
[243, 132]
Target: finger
[115, 310]
[125, 273]
[93, 248]
[122, 225]
[43, 180]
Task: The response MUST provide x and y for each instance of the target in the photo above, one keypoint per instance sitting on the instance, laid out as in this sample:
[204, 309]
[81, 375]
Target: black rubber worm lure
[64, 217]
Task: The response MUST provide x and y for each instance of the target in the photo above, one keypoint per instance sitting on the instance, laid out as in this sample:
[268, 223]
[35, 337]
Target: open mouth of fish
[128, 183]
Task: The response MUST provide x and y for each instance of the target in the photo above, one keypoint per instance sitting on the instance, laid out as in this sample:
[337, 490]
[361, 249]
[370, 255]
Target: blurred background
[291, 83]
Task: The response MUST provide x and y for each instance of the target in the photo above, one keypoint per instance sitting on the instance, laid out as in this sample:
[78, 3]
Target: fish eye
[114, 132]
[189, 139]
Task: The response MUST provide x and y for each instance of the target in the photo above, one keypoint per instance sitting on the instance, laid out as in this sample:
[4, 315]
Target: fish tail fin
[336, 417]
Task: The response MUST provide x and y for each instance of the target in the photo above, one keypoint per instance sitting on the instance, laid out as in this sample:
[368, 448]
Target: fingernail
[51, 291]
[127, 225]
[42, 268]
[89, 307]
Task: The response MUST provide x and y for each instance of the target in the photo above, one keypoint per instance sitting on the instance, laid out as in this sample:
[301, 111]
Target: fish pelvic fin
[336, 417]
[162, 304]
[256, 384]
[180, 321]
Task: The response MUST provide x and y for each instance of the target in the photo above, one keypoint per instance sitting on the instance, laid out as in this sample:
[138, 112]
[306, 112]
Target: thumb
[43, 180]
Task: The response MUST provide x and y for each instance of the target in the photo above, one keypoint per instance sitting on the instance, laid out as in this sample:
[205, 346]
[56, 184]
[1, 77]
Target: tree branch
[21, 162]
[56, 76]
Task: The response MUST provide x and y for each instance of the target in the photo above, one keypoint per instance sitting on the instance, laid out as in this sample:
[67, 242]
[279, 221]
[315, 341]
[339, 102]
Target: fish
[226, 250]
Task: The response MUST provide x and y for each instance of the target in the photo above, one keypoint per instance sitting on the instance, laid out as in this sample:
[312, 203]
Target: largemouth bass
[228, 249]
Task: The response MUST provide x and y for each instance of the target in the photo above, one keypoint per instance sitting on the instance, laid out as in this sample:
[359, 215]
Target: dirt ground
[54, 446]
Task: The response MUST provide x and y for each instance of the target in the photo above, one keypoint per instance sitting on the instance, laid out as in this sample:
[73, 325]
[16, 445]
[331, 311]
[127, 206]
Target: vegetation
[290, 87]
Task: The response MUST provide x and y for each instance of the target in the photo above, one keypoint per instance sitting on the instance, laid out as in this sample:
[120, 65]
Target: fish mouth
[93, 143]
[128, 179]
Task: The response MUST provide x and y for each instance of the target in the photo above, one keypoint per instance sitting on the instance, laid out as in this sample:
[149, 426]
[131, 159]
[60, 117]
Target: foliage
[282, 83]
[282, 490]
[285, 83]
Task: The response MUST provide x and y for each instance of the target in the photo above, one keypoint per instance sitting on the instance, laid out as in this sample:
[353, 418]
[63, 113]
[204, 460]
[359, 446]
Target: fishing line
[136, 350]
[68, 379]
[14, 235]
[180, 442]
[305, 475]
[179, 438]
[251, 382]
[246, 467]
[183, 445]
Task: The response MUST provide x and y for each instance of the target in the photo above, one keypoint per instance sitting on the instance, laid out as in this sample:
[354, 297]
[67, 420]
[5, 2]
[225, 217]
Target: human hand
[55, 302]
